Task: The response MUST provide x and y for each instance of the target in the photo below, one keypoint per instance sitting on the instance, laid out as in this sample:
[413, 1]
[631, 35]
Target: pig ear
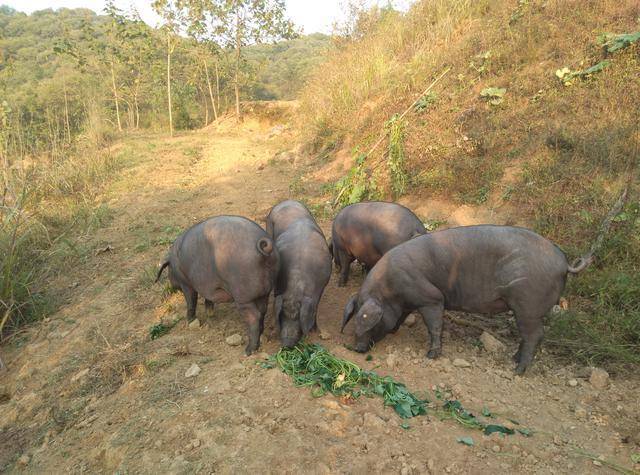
[307, 315]
[349, 310]
[367, 321]
[278, 310]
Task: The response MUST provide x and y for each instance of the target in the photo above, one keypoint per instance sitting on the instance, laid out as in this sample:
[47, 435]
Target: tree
[171, 13]
[236, 24]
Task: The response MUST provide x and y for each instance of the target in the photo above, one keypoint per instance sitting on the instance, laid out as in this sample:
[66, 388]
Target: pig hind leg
[432, 316]
[191, 297]
[345, 261]
[530, 326]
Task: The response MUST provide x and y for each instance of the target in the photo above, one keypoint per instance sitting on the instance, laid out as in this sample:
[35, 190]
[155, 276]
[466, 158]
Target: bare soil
[87, 390]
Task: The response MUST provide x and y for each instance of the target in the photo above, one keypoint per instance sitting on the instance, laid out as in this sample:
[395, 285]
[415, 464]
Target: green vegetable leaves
[612, 43]
[161, 329]
[495, 95]
[313, 366]
[567, 76]
[466, 441]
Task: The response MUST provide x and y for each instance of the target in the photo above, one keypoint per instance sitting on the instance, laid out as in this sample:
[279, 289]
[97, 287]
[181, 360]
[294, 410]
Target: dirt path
[88, 391]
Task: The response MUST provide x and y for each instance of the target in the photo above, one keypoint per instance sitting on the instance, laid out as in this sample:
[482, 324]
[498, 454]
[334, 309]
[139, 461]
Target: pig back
[305, 260]
[477, 267]
[368, 230]
[223, 252]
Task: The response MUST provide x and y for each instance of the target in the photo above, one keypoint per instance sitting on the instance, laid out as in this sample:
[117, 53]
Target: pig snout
[363, 344]
[290, 334]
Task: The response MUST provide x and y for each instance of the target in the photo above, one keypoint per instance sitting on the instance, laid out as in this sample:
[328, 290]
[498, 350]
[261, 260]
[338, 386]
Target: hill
[535, 122]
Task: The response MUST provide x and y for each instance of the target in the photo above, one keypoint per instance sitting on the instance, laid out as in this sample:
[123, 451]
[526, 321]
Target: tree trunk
[238, 46]
[66, 109]
[217, 84]
[115, 95]
[169, 83]
[213, 102]
[137, 110]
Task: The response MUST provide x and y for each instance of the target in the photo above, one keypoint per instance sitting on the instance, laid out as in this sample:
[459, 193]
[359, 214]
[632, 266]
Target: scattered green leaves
[425, 102]
[635, 458]
[495, 95]
[567, 76]
[161, 329]
[405, 426]
[466, 441]
[612, 42]
[311, 365]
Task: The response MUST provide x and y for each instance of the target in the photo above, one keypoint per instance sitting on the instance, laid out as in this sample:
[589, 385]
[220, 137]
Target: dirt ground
[87, 390]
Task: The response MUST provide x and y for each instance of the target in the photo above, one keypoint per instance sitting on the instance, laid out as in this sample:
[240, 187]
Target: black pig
[225, 259]
[305, 269]
[365, 231]
[482, 269]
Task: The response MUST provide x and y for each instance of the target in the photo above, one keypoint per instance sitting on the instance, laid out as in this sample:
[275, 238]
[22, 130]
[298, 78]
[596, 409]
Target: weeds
[396, 157]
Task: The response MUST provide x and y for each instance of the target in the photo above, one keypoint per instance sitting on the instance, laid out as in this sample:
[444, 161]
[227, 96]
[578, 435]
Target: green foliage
[567, 76]
[494, 95]
[281, 69]
[396, 157]
[357, 185]
[160, 329]
[612, 43]
[466, 440]
[425, 102]
[311, 365]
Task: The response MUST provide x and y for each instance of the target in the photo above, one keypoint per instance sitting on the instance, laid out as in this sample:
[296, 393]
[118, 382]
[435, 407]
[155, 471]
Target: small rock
[325, 335]
[599, 378]
[411, 320]
[195, 443]
[573, 383]
[460, 363]
[234, 340]
[496, 448]
[23, 461]
[193, 371]
[491, 343]
[597, 463]
[194, 325]
[580, 412]
[392, 360]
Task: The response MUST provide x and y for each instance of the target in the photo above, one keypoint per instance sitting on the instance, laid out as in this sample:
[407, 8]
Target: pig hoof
[433, 354]
[520, 369]
[249, 350]
[516, 357]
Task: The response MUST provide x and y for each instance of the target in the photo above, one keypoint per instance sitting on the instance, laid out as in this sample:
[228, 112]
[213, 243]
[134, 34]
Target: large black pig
[481, 269]
[225, 259]
[366, 231]
[305, 269]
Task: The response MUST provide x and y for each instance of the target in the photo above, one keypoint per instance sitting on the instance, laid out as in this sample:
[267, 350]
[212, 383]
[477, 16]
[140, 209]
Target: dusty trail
[89, 391]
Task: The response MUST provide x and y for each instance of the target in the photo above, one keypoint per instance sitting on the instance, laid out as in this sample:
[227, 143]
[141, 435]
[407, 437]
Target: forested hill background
[62, 70]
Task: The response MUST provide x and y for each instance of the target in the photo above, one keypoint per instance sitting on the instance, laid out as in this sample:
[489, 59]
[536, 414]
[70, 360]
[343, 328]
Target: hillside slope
[519, 130]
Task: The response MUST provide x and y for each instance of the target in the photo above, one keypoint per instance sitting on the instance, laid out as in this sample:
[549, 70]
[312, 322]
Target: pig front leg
[432, 316]
[209, 306]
